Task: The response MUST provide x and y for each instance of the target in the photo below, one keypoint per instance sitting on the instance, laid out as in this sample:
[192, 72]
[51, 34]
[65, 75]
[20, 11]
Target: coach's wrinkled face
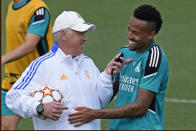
[75, 42]
[140, 34]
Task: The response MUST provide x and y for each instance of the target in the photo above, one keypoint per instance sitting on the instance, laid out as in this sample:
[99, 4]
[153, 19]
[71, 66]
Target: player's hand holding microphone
[116, 64]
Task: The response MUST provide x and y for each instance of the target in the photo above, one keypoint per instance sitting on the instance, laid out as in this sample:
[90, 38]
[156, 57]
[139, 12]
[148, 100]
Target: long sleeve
[21, 104]
[19, 99]
[104, 88]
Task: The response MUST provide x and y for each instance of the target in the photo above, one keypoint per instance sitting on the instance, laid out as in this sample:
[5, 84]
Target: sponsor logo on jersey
[128, 83]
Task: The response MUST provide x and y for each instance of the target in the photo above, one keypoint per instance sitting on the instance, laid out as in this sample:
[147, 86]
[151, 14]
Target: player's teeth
[131, 42]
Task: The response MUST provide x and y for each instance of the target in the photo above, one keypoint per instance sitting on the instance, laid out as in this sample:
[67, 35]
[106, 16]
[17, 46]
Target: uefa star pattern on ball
[48, 94]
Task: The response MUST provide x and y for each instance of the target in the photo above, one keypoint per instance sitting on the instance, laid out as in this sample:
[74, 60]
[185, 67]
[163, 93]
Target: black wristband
[40, 109]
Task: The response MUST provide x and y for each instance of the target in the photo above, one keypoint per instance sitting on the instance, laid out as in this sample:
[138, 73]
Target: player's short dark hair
[150, 14]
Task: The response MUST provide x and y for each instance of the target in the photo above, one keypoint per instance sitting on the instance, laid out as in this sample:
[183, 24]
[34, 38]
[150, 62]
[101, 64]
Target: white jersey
[78, 79]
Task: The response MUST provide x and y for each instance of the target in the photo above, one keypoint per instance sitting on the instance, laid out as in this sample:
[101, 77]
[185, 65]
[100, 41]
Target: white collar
[68, 58]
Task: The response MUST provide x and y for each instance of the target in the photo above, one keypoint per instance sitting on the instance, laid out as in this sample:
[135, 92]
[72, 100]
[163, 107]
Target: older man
[66, 68]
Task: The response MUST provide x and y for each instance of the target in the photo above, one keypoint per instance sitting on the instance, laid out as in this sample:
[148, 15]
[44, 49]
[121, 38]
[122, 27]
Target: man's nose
[85, 38]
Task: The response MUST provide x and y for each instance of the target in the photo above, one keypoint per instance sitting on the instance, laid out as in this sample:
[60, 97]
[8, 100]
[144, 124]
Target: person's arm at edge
[31, 41]
[32, 38]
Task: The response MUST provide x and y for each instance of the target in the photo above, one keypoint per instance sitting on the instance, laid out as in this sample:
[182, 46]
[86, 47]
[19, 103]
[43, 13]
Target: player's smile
[132, 41]
[132, 44]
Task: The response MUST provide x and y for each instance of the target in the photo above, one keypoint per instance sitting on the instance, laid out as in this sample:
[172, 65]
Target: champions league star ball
[48, 94]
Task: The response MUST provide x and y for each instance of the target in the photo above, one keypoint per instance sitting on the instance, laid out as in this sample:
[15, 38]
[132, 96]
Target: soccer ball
[48, 94]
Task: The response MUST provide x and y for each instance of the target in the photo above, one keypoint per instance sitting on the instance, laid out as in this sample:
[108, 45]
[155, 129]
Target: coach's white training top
[78, 79]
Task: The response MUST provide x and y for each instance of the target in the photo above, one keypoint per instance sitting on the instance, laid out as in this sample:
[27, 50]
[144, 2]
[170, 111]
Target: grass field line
[174, 100]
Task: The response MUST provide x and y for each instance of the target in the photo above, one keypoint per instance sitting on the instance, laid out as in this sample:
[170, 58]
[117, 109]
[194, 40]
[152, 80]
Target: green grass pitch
[177, 38]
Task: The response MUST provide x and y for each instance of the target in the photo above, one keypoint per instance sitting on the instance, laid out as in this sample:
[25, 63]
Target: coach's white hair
[56, 35]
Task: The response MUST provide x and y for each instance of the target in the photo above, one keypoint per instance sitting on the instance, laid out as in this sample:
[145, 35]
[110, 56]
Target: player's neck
[18, 1]
[148, 44]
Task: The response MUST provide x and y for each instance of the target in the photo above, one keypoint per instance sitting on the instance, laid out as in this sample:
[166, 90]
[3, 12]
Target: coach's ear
[151, 35]
[63, 35]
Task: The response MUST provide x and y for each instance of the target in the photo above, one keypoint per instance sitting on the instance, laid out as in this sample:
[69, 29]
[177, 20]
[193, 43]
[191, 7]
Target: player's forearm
[16, 54]
[129, 110]
[31, 41]
[137, 108]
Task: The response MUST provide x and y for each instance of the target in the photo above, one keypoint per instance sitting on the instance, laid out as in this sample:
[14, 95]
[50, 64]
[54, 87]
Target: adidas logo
[63, 77]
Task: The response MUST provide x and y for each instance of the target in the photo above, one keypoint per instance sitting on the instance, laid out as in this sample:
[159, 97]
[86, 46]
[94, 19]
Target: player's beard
[135, 45]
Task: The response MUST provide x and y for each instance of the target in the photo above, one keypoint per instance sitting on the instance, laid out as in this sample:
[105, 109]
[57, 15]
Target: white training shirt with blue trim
[78, 79]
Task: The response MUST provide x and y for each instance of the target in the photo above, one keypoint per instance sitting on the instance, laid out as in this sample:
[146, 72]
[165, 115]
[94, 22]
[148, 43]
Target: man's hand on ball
[53, 110]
